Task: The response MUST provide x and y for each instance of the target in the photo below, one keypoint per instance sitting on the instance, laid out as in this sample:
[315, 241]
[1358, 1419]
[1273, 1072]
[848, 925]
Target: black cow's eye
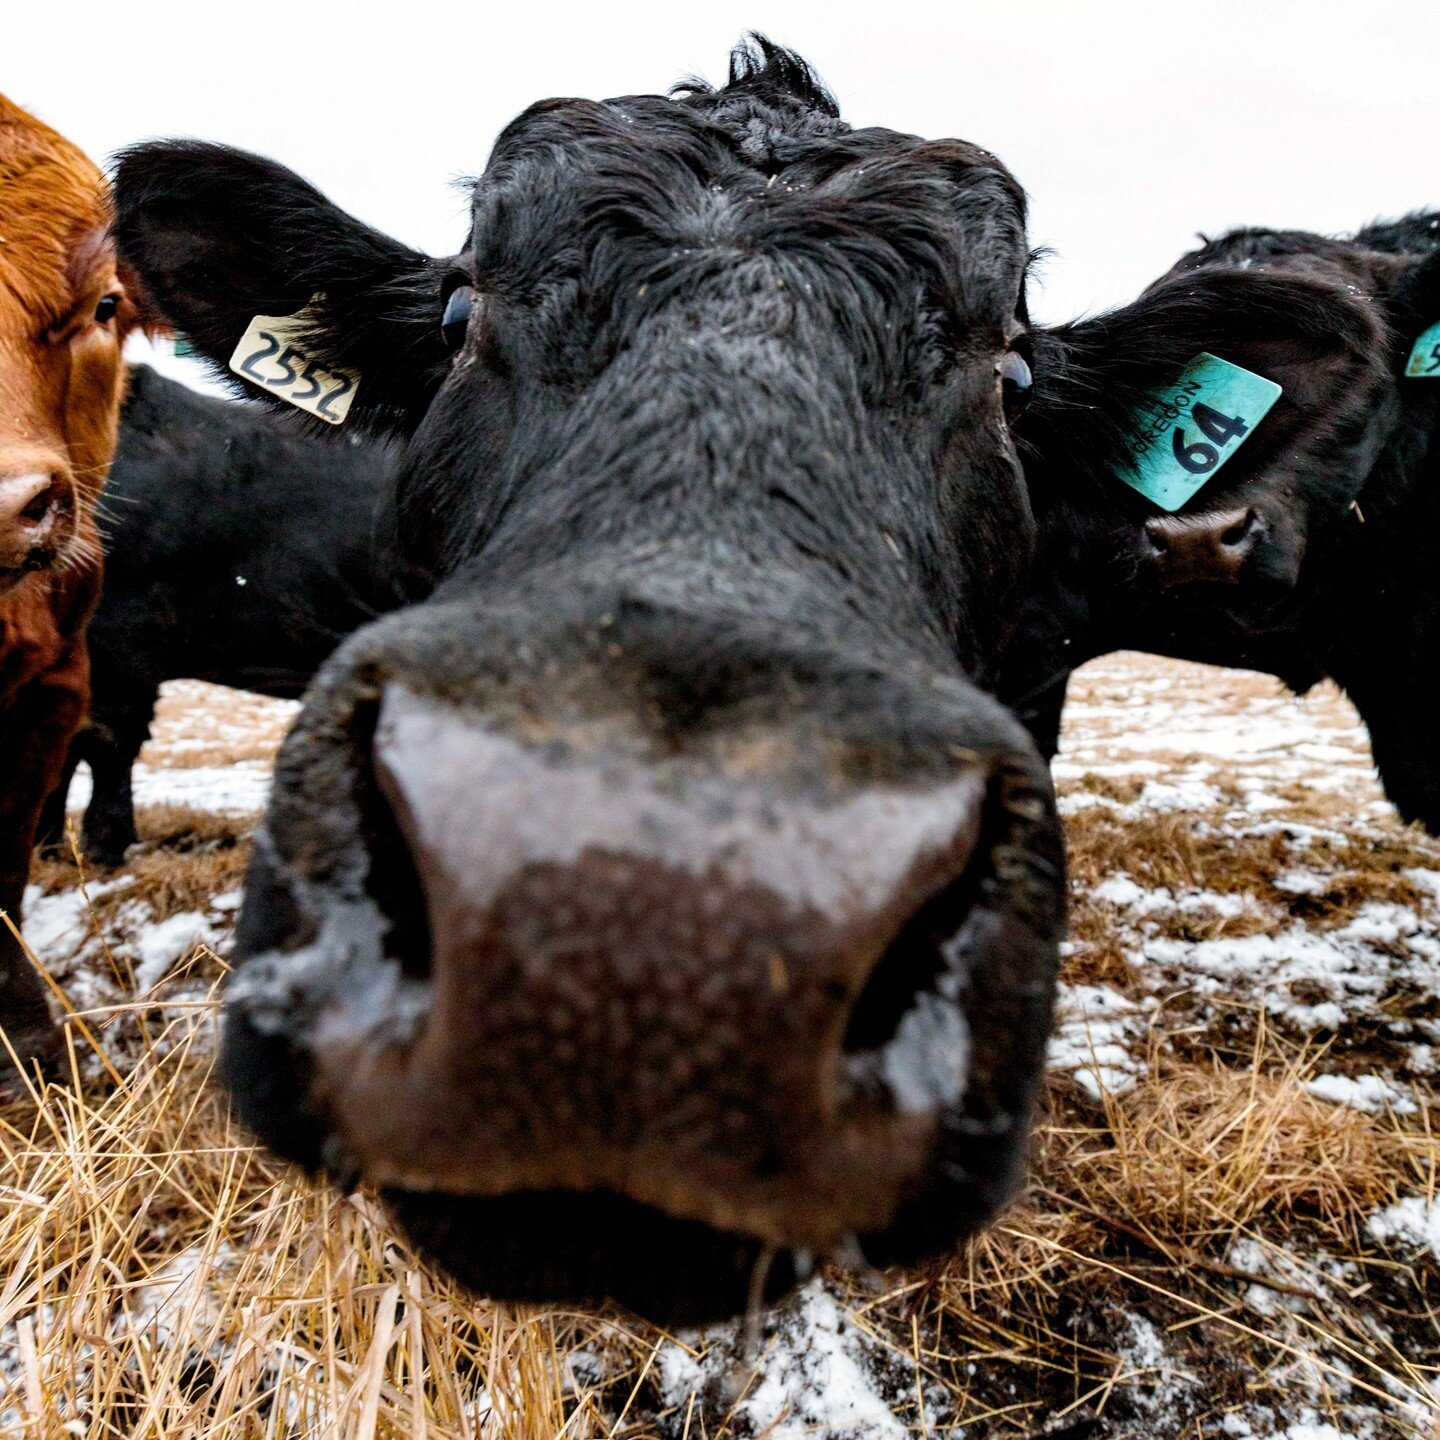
[1016, 383]
[107, 309]
[456, 319]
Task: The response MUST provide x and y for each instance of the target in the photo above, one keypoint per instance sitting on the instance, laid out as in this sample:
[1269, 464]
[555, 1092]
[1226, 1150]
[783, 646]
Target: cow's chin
[1252, 608]
[592, 1248]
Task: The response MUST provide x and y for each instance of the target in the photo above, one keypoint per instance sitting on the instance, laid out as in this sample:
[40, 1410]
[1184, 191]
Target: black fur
[1341, 584]
[238, 551]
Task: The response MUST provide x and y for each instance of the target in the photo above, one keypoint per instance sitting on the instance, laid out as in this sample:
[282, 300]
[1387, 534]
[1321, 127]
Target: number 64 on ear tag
[1193, 426]
[270, 355]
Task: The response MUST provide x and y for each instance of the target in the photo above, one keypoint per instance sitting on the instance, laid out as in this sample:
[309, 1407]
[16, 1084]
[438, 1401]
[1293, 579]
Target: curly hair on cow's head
[1417, 233]
[766, 83]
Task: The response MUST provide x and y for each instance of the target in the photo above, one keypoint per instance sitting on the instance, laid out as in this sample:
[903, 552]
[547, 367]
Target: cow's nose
[30, 507]
[757, 988]
[716, 997]
[1213, 546]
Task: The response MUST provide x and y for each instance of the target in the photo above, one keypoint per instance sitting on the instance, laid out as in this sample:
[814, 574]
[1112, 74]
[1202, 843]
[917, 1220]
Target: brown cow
[63, 318]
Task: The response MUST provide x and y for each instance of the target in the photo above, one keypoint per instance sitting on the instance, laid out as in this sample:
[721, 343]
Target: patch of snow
[1156, 1384]
[1301, 882]
[158, 947]
[815, 1378]
[1120, 890]
[1414, 1221]
[238, 789]
[1065, 770]
[1275, 1263]
[1362, 1092]
[1427, 880]
[1083, 800]
[1227, 741]
[1260, 800]
[1093, 1033]
[1186, 795]
[55, 925]
[1312, 980]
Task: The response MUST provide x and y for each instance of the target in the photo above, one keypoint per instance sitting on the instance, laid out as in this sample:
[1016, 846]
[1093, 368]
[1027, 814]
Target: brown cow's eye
[456, 319]
[1016, 383]
[107, 309]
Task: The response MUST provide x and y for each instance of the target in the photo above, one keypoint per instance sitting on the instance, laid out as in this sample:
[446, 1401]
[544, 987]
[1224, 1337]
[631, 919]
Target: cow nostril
[1157, 542]
[391, 879]
[923, 958]
[39, 506]
[1240, 532]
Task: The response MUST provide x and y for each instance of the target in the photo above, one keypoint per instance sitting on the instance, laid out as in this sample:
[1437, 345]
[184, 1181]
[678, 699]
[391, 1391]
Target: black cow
[1304, 560]
[238, 550]
[664, 893]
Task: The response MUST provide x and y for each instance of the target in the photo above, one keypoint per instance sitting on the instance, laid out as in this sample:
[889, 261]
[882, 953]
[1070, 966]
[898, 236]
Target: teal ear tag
[1424, 362]
[1193, 426]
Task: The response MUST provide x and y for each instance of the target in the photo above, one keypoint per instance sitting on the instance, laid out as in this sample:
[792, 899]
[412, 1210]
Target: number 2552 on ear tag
[1193, 426]
[270, 355]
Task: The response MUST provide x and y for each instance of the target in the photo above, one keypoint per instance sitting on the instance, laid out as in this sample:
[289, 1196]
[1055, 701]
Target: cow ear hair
[1326, 348]
[217, 236]
[1414, 302]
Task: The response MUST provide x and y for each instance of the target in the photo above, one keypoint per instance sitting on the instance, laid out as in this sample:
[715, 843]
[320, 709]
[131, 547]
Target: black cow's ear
[1324, 345]
[218, 236]
[1414, 303]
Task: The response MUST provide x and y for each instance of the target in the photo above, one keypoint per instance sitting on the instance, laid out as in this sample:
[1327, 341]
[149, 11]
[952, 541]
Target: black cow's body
[1335, 569]
[239, 550]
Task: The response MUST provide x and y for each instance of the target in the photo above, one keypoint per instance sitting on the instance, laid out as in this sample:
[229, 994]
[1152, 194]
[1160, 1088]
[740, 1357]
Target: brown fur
[61, 381]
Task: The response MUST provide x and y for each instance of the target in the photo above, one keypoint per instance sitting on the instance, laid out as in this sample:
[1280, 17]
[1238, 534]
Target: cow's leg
[1402, 741]
[50, 837]
[111, 750]
[1040, 714]
[35, 735]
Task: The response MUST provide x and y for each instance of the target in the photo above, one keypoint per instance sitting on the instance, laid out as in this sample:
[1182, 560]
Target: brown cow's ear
[218, 237]
[1325, 346]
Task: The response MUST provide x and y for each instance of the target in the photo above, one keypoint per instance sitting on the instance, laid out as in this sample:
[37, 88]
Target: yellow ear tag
[270, 355]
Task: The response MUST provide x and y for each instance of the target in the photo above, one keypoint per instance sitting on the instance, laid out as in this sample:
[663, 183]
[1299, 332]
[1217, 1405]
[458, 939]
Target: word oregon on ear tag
[270, 355]
[1193, 426]
[1424, 362]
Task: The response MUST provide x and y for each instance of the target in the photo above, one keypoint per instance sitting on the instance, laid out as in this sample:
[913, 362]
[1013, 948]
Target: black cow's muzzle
[606, 1014]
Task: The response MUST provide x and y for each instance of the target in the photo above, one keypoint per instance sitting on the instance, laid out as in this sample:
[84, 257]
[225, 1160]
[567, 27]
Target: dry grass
[166, 1279]
[160, 1278]
[186, 858]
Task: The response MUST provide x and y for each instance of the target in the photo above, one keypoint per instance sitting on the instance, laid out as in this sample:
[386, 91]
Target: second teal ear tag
[1424, 362]
[1193, 426]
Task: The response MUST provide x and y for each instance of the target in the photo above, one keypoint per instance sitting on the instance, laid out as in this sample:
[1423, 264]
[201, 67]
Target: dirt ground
[1232, 1230]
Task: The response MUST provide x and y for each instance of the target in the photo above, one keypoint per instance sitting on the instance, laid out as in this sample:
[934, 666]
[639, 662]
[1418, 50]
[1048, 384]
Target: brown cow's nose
[31, 506]
[1187, 549]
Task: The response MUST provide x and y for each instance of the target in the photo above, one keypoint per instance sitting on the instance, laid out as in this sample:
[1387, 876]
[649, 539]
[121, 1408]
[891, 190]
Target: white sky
[1132, 125]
